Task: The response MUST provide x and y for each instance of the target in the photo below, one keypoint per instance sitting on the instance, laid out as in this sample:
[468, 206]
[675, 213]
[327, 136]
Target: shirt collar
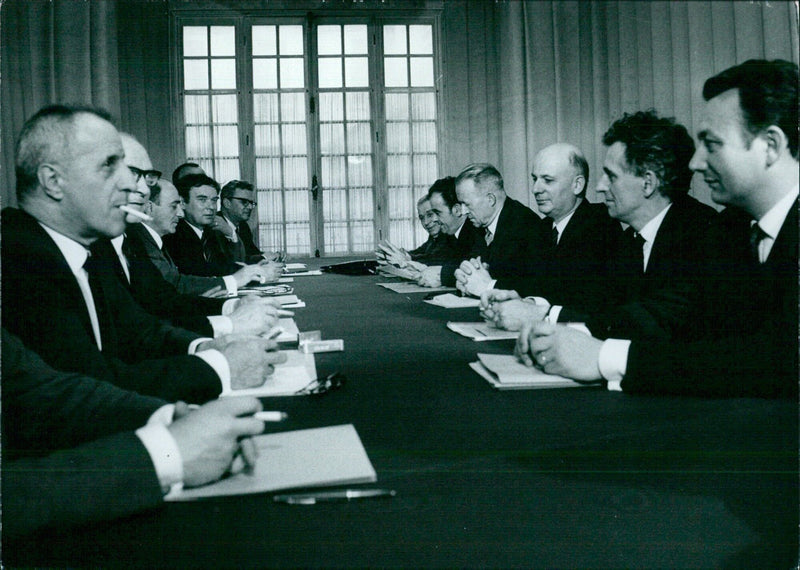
[492, 227]
[650, 229]
[74, 253]
[772, 221]
[461, 227]
[154, 234]
[562, 223]
[196, 230]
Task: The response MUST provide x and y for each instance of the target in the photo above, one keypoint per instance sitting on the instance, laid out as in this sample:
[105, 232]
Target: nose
[127, 179]
[698, 162]
[602, 184]
[179, 211]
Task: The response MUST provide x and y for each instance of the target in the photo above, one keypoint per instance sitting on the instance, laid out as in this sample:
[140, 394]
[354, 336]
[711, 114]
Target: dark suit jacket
[575, 272]
[244, 250]
[187, 250]
[69, 453]
[746, 317]
[653, 304]
[516, 246]
[43, 305]
[153, 293]
[435, 250]
[469, 239]
[187, 284]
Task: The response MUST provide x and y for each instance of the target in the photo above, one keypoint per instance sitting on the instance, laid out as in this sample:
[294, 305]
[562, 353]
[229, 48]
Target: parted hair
[185, 184]
[483, 175]
[447, 188]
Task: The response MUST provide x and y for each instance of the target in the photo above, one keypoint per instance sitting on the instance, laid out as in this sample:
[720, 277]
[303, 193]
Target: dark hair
[190, 181]
[177, 174]
[481, 173]
[447, 188]
[658, 144]
[767, 95]
[155, 193]
[45, 136]
[230, 188]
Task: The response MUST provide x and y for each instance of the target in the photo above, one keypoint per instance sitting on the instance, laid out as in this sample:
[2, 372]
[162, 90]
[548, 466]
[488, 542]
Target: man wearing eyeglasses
[238, 202]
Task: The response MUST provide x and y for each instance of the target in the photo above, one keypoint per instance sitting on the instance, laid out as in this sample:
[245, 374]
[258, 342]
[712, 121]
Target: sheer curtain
[54, 51]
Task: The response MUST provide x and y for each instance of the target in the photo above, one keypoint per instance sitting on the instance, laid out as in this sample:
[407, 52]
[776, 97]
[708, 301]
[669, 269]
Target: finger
[542, 328]
[246, 425]
[182, 410]
[235, 406]
[477, 262]
[249, 452]
[276, 357]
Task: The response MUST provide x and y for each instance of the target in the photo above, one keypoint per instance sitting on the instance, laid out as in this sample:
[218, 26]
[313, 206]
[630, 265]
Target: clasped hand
[559, 349]
[472, 277]
[505, 310]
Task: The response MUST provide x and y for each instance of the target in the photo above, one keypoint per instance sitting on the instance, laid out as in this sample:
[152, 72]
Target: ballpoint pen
[332, 496]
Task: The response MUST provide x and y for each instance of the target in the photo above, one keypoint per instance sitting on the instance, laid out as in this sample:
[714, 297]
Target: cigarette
[137, 213]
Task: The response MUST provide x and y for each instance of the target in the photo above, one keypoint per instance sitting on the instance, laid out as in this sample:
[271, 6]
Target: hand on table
[430, 277]
[561, 350]
[472, 277]
[250, 359]
[254, 315]
[505, 310]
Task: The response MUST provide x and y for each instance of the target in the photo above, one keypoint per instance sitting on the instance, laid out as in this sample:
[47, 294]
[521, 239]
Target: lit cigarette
[137, 213]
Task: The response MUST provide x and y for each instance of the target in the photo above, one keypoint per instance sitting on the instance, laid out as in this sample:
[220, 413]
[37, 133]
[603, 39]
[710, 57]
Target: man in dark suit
[80, 319]
[514, 236]
[652, 271]
[744, 341]
[68, 437]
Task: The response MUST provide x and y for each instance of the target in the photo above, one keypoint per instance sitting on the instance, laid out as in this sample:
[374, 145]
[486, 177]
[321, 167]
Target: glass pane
[265, 73]
[423, 106]
[293, 107]
[396, 71]
[360, 174]
[226, 142]
[224, 108]
[195, 109]
[291, 40]
[424, 169]
[398, 170]
[222, 41]
[394, 40]
[268, 174]
[198, 142]
[363, 239]
[358, 139]
[361, 204]
[195, 74]
[422, 72]
[195, 41]
[295, 172]
[355, 39]
[329, 40]
[331, 107]
[226, 170]
[267, 140]
[400, 233]
[400, 203]
[330, 72]
[397, 106]
[356, 72]
[292, 71]
[265, 107]
[333, 174]
[336, 238]
[331, 138]
[298, 239]
[335, 204]
[223, 74]
[296, 205]
[358, 106]
[424, 137]
[421, 39]
[294, 139]
[397, 138]
[264, 40]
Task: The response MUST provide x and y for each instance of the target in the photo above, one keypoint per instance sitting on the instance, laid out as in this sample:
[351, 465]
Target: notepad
[290, 330]
[481, 331]
[319, 457]
[450, 301]
[505, 372]
[411, 288]
[289, 377]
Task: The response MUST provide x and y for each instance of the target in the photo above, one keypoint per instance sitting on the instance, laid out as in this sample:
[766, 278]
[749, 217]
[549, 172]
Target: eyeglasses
[150, 176]
[245, 202]
[321, 386]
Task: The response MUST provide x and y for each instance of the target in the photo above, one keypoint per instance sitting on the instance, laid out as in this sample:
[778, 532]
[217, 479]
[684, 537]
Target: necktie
[167, 256]
[489, 237]
[756, 235]
[206, 244]
[91, 291]
[554, 236]
[636, 249]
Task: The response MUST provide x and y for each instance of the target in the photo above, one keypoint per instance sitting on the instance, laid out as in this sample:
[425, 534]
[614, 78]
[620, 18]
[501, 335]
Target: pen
[330, 496]
[271, 416]
[137, 213]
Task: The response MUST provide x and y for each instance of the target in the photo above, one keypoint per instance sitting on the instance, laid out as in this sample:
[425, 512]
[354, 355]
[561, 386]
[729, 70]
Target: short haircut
[231, 187]
[767, 95]
[177, 174]
[155, 193]
[658, 144]
[190, 181]
[422, 199]
[482, 174]
[447, 188]
[46, 136]
[579, 163]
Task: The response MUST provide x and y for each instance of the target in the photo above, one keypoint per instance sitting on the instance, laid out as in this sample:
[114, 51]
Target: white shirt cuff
[230, 284]
[216, 360]
[195, 342]
[222, 325]
[163, 449]
[613, 362]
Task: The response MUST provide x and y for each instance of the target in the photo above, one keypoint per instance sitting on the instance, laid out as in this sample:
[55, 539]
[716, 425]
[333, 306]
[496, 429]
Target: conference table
[568, 478]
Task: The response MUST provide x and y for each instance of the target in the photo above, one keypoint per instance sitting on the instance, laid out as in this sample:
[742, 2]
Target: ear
[650, 183]
[492, 198]
[50, 180]
[577, 184]
[456, 209]
[776, 142]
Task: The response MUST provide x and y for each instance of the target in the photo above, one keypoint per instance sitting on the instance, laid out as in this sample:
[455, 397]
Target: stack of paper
[293, 375]
[450, 301]
[411, 288]
[481, 331]
[290, 330]
[306, 458]
[505, 372]
[289, 301]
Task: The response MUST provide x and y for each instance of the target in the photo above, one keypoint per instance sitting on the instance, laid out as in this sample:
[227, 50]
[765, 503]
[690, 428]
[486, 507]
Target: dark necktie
[489, 236]
[636, 249]
[206, 244]
[756, 235]
[93, 267]
[554, 236]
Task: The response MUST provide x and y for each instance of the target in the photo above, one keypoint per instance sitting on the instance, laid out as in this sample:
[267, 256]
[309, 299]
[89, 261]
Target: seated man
[745, 315]
[436, 247]
[71, 455]
[237, 204]
[652, 272]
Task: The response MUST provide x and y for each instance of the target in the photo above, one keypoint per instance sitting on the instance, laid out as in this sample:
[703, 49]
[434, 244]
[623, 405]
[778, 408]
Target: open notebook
[317, 457]
[289, 377]
[505, 372]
